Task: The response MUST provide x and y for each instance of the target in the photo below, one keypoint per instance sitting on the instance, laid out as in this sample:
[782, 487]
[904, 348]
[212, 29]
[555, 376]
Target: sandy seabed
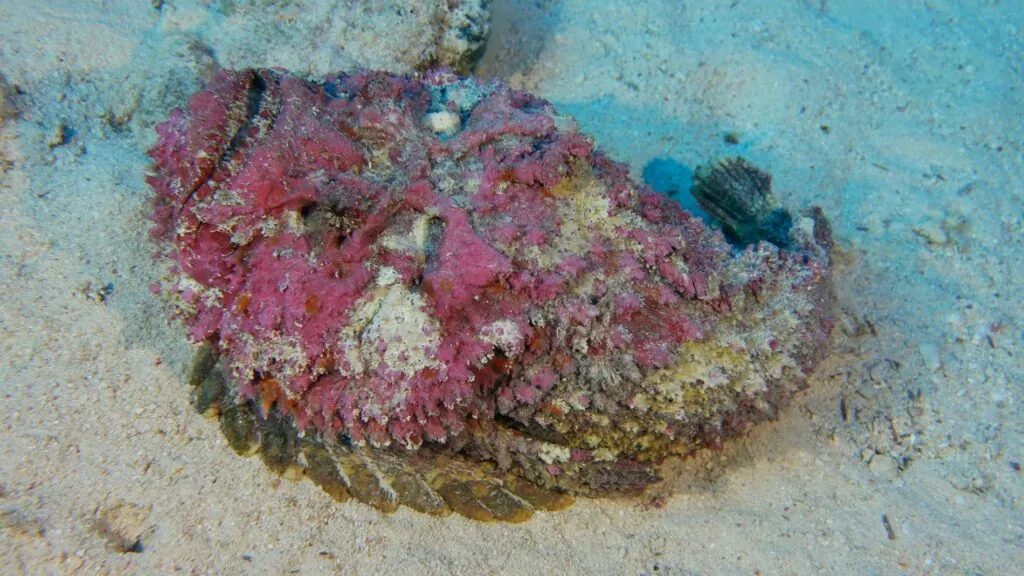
[903, 120]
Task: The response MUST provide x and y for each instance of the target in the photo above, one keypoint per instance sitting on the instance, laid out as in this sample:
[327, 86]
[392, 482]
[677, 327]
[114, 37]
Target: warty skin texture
[436, 269]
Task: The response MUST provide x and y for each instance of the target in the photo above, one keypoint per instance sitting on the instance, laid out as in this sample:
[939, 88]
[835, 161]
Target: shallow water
[903, 123]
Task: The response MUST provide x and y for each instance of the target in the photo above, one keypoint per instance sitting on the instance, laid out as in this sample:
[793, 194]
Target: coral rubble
[434, 291]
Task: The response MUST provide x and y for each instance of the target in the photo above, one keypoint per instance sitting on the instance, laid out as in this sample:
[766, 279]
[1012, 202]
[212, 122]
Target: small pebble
[932, 233]
[59, 136]
[124, 525]
[872, 224]
[867, 391]
[930, 355]
[882, 465]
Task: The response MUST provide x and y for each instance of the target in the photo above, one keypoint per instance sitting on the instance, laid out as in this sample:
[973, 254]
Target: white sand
[921, 169]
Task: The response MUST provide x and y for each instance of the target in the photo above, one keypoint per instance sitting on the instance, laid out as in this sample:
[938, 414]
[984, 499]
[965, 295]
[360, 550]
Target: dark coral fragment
[739, 196]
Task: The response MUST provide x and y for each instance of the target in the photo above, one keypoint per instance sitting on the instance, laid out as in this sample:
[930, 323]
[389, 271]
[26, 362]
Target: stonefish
[435, 292]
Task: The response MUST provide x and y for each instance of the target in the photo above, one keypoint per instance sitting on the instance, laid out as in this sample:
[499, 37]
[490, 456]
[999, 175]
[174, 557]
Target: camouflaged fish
[434, 292]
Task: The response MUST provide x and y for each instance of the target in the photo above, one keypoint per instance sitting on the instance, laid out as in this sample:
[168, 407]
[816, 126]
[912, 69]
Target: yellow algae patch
[710, 363]
[674, 390]
[551, 453]
[584, 209]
